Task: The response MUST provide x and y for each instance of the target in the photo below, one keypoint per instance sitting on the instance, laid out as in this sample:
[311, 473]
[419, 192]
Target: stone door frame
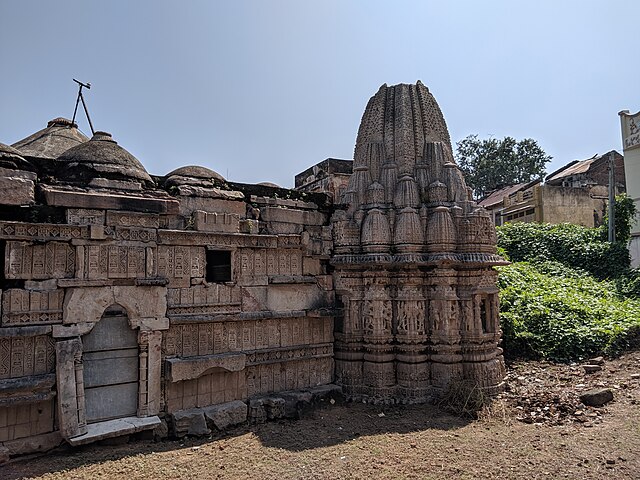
[146, 309]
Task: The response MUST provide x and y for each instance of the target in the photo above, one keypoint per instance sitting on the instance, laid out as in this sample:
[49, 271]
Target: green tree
[624, 210]
[491, 163]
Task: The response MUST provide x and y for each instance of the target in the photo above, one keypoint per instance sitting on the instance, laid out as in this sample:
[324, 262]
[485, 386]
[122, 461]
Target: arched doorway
[111, 367]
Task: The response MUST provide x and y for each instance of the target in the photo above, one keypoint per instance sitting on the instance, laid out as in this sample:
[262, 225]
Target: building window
[218, 266]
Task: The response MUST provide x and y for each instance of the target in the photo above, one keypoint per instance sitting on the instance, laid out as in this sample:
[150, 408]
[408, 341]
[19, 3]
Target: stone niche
[108, 361]
[413, 258]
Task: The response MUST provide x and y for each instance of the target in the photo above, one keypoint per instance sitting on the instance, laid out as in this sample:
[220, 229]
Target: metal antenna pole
[84, 105]
[75, 110]
[612, 200]
[87, 114]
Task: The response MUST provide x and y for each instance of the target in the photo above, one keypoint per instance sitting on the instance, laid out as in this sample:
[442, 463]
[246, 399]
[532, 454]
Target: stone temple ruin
[186, 302]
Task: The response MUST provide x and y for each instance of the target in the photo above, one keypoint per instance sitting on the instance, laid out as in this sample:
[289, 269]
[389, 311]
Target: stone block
[107, 201]
[311, 266]
[254, 299]
[226, 415]
[249, 226]
[179, 369]
[115, 428]
[83, 216]
[17, 191]
[290, 215]
[216, 222]
[4, 455]
[283, 228]
[115, 184]
[44, 286]
[188, 205]
[195, 191]
[597, 397]
[294, 297]
[190, 422]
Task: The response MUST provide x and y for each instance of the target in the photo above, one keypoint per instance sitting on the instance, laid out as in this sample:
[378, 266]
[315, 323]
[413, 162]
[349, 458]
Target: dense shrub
[571, 245]
[552, 311]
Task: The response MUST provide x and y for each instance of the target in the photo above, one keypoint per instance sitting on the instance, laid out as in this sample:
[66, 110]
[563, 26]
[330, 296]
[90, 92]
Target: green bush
[549, 310]
[572, 245]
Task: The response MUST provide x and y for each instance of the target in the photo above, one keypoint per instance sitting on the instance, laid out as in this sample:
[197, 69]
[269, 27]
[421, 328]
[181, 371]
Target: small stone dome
[60, 135]
[12, 158]
[101, 157]
[269, 184]
[193, 175]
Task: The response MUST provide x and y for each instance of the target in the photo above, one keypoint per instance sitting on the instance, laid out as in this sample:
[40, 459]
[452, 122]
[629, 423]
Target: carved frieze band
[258, 262]
[22, 356]
[18, 230]
[37, 262]
[212, 338]
[175, 237]
[27, 307]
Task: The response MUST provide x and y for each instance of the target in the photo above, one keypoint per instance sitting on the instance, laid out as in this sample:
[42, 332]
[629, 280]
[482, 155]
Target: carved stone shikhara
[187, 295]
[412, 257]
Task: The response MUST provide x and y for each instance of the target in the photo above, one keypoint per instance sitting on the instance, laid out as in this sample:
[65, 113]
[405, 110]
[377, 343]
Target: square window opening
[218, 266]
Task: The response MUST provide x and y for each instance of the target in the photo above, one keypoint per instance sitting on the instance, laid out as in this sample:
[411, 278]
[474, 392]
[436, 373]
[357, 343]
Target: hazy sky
[260, 90]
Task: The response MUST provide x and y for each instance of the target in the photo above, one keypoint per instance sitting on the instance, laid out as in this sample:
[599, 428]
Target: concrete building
[576, 193]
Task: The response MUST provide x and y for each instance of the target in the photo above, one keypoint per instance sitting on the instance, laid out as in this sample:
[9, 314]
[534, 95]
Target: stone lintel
[74, 330]
[179, 369]
[30, 384]
[107, 201]
[41, 286]
[283, 202]
[324, 312]
[80, 282]
[194, 191]
[279, 279]
[115, 428]
[29, 331]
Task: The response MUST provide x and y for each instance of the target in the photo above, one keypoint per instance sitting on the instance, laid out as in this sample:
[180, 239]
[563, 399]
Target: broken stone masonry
[186, 303]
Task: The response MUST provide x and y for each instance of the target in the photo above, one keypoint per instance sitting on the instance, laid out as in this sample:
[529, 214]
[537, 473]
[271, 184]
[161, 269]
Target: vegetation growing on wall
[568, 295]
[572, 245]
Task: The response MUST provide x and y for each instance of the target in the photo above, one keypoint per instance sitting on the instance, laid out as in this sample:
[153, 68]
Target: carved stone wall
[412, 257]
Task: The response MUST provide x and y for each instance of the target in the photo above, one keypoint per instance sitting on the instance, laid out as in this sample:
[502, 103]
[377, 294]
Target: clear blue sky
[260, 90]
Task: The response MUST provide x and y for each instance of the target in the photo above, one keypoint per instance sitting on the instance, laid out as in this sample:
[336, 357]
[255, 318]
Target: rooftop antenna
[80, 97]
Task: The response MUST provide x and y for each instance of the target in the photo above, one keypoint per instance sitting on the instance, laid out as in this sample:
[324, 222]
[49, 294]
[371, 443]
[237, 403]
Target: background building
[631, 149]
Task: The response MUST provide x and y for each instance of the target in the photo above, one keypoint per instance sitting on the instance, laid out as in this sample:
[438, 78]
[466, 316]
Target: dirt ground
[537, 429]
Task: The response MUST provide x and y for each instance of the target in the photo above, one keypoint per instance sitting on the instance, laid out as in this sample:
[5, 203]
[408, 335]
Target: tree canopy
[492, 163]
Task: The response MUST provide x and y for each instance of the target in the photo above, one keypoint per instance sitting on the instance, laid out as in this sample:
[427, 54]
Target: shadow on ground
[319, 428]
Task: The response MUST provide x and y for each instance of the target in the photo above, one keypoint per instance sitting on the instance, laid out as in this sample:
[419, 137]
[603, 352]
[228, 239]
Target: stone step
[115, 428]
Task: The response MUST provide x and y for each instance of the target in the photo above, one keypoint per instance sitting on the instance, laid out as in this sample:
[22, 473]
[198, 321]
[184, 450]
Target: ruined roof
[496, 196]
[60, 135]
[101, 157]
[574, 168]
[269, 184]
[12, 158]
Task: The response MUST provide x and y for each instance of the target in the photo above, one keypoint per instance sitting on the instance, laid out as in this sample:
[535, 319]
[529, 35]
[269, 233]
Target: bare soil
[537, 429]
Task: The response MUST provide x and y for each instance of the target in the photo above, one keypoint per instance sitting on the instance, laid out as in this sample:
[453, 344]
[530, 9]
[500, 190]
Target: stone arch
[86, 305]
[83, 308]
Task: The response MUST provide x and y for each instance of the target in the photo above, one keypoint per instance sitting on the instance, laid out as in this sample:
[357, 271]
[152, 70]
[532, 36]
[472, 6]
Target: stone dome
[269, 184]
[101, 157]
[60, 135]
[13, 159]
[193, 175]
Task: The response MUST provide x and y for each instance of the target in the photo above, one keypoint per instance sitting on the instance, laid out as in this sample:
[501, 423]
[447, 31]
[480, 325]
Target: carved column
[70, 386]
[411, 358]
